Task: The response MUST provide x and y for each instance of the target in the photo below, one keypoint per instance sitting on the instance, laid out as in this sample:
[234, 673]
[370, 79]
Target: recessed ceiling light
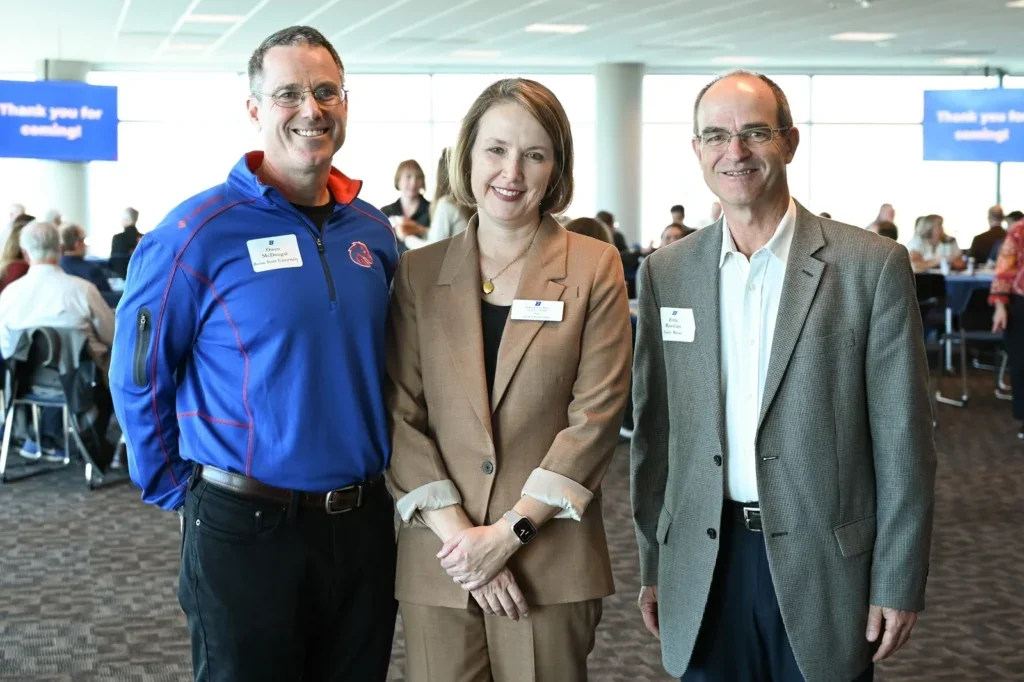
[863, 37]
[963, 61]
[1016, 4]
[737, 60]
[214, 18]
[476, 54]
[565, 29]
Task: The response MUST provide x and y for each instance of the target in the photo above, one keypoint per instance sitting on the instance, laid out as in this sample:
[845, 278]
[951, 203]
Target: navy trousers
[742, 637]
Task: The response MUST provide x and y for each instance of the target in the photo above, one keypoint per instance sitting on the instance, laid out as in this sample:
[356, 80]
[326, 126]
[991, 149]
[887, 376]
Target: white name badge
[677, 325]
[538, 311]
[274, 253]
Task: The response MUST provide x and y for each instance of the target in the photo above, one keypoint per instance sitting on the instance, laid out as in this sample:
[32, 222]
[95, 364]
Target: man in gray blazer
[783, 462]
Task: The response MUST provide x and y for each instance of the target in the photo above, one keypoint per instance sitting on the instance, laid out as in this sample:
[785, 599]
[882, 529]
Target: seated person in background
[12, 261]
[825, 214]
[15, 211]
[983, 244]
[122, 246]
[930, 246]
[48, 297]
[72, 243]
[591, 227]
[54, 217]
[884, 228]
[410, 213]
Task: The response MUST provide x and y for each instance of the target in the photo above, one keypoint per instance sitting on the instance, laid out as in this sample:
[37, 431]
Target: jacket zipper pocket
[323, 261]
[143, 328]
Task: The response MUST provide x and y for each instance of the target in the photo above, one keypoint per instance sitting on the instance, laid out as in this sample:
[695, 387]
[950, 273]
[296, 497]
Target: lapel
[704, 278]
[545, 262]
[803, 273]
[460, 311]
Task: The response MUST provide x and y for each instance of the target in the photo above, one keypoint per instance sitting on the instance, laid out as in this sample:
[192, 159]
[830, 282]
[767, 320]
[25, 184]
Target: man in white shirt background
[48, 297]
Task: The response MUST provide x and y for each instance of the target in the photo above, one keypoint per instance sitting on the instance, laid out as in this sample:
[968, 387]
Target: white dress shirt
[949, 250]
[749, 296]
[49, 297]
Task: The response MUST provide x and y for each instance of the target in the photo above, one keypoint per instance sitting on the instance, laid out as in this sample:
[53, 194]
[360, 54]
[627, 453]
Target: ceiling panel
[683, 35]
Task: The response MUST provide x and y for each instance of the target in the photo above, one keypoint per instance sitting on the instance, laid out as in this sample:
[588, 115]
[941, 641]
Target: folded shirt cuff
[430, 497]
[559, 491]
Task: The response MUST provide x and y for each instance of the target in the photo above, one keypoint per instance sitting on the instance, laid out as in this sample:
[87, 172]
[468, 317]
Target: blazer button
[712, 534]
[488, 467]
[718, 460]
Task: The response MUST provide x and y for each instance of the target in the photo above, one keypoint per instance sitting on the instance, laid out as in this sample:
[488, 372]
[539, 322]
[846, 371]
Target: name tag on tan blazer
[538, 311]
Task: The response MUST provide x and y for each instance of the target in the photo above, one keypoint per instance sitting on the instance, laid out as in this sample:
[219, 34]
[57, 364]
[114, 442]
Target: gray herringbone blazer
[845, 455]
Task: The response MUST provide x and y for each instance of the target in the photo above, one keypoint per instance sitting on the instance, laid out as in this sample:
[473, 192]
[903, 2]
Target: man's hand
[502, 597]
[648, 603]
[472, 557]
[898, 625]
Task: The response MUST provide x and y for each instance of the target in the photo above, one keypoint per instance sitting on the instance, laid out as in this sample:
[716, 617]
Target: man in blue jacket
[247, 372]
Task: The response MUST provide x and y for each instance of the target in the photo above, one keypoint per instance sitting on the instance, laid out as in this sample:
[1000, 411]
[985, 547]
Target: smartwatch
[522, 527]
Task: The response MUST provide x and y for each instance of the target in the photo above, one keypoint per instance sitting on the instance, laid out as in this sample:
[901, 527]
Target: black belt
[747, 514]
[336, 501]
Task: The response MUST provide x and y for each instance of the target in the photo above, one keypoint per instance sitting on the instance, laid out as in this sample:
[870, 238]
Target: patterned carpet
[88, 579]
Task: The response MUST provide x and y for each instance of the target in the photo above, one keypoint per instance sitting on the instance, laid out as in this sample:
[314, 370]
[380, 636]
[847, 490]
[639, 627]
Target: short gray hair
[782, 110]
[287, 37]
[70, 235]
[130, 216]
[40, 241]
[53, 216]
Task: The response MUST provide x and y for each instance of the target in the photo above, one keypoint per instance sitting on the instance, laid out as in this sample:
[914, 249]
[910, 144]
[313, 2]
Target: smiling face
[742, 175]
[512, 166]
[306, 137]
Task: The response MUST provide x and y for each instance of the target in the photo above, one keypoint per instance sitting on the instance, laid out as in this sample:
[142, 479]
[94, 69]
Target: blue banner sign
[974, 125]
[59, 120]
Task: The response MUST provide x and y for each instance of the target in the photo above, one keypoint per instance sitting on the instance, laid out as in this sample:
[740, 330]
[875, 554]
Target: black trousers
[742, 637]
[287, 594]
[1015, 349]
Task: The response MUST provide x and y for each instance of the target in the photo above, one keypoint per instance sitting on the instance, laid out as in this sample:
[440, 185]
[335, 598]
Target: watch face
[524, 530]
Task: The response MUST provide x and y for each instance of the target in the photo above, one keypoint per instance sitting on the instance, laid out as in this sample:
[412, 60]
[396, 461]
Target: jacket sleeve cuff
[429, 497]
[558, 491]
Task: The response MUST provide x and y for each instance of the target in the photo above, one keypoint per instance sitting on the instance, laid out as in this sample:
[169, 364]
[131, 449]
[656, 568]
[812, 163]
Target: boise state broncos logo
[360, 255]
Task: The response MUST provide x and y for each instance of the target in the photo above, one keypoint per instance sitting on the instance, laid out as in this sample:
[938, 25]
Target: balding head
[995, 216]
[41, 243]
[886, 213]
[746, 80]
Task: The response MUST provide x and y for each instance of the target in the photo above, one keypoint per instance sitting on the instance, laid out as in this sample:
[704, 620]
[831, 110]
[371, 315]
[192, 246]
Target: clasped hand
[474, 556]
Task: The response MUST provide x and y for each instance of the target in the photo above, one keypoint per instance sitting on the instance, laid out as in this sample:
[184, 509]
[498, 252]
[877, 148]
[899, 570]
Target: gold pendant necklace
[487, 285]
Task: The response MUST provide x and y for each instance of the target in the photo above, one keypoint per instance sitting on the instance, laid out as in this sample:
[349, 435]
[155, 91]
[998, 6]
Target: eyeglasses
[750, 137]
[325, 96]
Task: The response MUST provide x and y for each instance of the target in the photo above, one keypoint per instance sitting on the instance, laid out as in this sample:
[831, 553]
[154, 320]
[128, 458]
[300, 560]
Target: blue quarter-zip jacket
[276, 374]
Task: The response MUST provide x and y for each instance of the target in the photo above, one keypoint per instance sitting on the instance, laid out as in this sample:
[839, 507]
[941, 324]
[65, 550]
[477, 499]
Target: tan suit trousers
[464, 645]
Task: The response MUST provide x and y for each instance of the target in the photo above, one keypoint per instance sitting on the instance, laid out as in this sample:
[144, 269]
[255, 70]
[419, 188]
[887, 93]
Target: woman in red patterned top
[1007, 295]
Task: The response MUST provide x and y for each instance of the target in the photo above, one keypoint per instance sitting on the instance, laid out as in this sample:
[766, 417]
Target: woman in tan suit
[508, 373]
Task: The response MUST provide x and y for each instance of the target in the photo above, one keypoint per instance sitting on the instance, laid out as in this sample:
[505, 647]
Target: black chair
[37, 381]
[973, 325]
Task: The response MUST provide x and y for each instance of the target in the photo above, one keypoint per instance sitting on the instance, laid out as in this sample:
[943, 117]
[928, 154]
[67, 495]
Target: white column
[619, 132]
[67, 183]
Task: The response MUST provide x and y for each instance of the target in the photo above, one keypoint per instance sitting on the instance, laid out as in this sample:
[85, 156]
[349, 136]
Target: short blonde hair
[540, 103]
[409, 166]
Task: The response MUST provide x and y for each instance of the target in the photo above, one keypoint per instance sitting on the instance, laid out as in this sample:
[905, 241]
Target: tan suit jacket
[560, 391]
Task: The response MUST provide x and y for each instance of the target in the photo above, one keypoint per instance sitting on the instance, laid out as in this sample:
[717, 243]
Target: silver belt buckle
[330, 496]
[746, 518]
